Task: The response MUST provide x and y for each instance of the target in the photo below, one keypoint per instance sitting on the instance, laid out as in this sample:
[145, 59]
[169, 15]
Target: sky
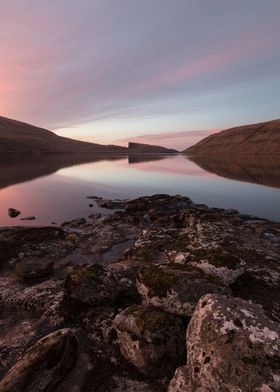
[156, 71]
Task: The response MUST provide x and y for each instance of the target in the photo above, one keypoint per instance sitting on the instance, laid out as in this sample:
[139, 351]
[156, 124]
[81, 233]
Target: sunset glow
[106, 72]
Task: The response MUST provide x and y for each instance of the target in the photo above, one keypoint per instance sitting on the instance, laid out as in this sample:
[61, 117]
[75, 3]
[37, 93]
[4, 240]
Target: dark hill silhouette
[16, 136]
[261, 138]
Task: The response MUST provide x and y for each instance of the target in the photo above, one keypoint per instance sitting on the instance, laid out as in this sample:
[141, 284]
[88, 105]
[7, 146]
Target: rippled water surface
[55, 188]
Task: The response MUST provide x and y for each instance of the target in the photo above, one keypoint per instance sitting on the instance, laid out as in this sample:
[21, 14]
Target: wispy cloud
[177, 140]
[70, 63]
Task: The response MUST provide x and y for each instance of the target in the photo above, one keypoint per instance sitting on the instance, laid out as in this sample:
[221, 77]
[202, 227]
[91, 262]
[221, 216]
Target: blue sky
[113, 70]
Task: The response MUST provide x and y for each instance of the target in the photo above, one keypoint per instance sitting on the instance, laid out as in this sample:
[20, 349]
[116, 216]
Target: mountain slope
[141, 148]
[261, 138]
[16, 136]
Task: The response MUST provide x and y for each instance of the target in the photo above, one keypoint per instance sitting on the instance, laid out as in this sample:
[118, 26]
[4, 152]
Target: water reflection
[54, 187]
[258, 169]
[16, 168]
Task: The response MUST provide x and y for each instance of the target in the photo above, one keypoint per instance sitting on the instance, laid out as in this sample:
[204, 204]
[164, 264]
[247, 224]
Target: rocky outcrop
[152, 340]
[129, 283]
[92, 285]
[141, 148]
[43, 365]
[231, 344]
[261, 138]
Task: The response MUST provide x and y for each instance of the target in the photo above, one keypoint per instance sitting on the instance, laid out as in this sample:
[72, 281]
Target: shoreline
[128, 285]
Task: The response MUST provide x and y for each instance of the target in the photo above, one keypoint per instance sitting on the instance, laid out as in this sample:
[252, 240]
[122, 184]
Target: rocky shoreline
[161, 295]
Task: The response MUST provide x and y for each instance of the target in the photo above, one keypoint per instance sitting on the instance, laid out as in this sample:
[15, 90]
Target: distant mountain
[262, 138]
[16, 136]
[140, 148]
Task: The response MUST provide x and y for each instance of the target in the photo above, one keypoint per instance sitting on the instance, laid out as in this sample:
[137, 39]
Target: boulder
[13, 213]
[92, 285]
[151, 339]
[34, 268]
[176, 288]
[43, 365]
[232, 346]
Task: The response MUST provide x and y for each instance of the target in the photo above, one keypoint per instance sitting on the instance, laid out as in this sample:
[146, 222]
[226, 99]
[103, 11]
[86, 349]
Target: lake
[55, 188]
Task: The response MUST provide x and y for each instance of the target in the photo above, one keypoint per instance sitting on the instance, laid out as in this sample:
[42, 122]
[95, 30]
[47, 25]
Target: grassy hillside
[261, 138]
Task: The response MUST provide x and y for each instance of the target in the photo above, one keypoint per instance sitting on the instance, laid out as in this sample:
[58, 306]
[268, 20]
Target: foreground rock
[176, 288]
[149, 261]
[34, 268]
[44, 365]
[232, 346]
[92, 285]
[152, 340]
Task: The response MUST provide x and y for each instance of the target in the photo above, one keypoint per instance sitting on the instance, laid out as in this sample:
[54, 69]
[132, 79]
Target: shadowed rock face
[258, 169]
[262, 138]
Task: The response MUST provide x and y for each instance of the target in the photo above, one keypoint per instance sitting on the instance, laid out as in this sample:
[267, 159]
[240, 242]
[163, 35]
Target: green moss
[151, 318]
[216, 257]
[86, 274]
[158, 281]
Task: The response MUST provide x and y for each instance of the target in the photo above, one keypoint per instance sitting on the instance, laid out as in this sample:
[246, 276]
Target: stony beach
[162, 294]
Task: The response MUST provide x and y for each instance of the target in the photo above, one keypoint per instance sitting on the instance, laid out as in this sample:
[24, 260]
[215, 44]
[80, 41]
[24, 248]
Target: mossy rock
[216, 257]
[176, 288]
[158, 281]
[92, 285]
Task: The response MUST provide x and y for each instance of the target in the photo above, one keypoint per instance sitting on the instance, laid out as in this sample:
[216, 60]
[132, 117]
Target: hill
[16, 136]
[141, 148]
[261, 138]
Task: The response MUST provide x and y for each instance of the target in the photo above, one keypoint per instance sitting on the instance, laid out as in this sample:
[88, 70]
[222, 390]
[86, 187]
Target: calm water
[54, 189]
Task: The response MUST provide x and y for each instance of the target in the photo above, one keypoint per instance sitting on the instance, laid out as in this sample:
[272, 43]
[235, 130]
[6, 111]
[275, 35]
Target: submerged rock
[28, 218]
[232, 345]
[92, 285]
[152, 340]
[43, 365]
[176, 288]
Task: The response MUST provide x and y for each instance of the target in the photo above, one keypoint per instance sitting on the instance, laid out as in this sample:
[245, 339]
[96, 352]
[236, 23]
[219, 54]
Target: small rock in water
[90, 205]
[28, 218]
[94, 197]
[13, 213]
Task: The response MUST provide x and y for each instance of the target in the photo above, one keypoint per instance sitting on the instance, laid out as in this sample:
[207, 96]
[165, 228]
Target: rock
[13, 213]
[92, 285]
[110, 204]
[44, 365]
[42, 300]
[34, 268]
[28, 218]
[152, 340]
[179, 381]
[232, 346]
[176, 288]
